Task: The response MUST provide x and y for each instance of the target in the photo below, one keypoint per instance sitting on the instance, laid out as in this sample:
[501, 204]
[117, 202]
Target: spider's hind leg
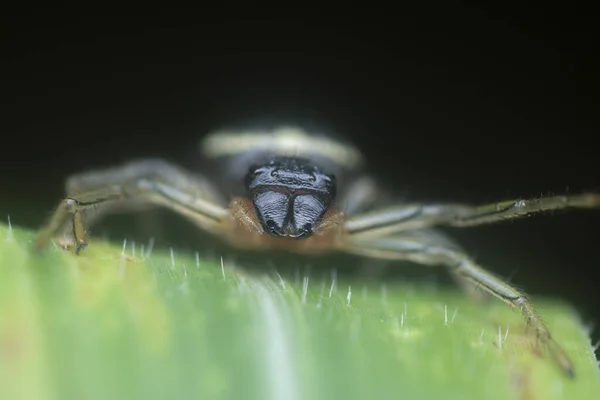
[428, 247]
[473, 290]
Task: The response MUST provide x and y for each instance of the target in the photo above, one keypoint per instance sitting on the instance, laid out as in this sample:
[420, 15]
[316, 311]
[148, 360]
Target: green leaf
[110, 324]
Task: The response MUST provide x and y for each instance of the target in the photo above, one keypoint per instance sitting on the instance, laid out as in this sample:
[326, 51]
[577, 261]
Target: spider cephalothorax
[290, 196]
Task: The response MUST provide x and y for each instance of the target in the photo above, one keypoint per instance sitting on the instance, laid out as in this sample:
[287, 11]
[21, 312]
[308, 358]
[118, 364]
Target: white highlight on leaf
[172, 258]
[506, 334]
[133, 248]
[445, 314]
[150, 247]
[197, 260]
[331, 288]
[281, 281]
[349, 296]
[333, 281]
[454, 315]
[223, 269]
[124, 246]
[499, 338]
[280, 373]
[9, 234]
[304, 288]
[320, 302]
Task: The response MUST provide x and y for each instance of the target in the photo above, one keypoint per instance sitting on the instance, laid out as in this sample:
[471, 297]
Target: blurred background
[458, 105]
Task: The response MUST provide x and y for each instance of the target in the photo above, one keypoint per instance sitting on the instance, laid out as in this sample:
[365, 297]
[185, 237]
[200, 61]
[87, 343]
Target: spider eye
[305, 231]
[272, 227]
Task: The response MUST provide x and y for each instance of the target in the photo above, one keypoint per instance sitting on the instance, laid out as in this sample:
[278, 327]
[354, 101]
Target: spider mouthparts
[298, 233]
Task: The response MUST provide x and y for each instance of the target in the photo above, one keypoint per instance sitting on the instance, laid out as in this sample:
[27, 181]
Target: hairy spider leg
[428, 247]
[153, 182]
[416, 216]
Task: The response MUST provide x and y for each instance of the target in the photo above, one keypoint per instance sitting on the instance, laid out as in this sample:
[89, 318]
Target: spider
[301, 193]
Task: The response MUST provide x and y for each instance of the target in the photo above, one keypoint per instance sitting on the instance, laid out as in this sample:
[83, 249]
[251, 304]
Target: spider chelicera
[306, 194]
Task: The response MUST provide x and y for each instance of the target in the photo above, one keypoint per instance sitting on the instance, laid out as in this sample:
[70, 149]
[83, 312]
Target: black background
[465, 105]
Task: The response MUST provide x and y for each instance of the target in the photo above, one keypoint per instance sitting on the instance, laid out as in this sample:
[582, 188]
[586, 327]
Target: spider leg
[430, 248]
[131, 186]
[417, 216]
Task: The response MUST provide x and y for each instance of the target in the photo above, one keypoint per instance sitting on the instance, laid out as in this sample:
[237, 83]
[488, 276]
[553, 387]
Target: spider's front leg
[417, 216]
[129, 188]
[428, 247]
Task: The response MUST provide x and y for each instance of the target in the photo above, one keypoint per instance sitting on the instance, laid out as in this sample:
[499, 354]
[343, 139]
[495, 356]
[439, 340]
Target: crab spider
[305, 194]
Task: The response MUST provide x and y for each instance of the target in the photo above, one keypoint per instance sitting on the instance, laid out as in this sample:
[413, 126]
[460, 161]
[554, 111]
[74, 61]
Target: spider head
[290, 196]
